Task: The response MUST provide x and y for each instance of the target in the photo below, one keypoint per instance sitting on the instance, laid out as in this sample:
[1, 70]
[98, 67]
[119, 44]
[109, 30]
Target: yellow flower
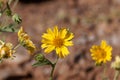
[116, 63]
[6, 50]
[57, 40]
[101, 53]
[25, 41]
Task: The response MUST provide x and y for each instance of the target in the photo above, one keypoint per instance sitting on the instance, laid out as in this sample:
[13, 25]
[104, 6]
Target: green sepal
[98, 64]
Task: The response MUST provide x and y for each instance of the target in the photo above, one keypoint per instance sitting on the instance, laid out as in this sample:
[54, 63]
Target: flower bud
[39, 57]
[16, 18]
[6, 50]
[25, 41]
[116, 63]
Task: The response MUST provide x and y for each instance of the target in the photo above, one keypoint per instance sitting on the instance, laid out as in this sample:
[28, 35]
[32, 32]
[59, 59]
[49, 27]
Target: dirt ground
[90, 20]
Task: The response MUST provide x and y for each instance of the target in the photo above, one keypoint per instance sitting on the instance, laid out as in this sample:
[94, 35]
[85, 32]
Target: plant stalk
[16, 46]
[53, 67]
[116, 75]
[104, 77]
[51, 74]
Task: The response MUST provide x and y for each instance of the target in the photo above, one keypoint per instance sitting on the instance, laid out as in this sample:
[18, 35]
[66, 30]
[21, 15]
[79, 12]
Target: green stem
[10, 1]
[51, 74]
[15, 3]
[16, 46]
[116, 75]
[53, 67]
[104, 73]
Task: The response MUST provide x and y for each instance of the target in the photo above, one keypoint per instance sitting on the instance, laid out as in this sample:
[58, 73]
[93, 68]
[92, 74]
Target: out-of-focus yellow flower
[6, 50]
[25, 41]
[116, 63]
[101, 53]
[57, 40]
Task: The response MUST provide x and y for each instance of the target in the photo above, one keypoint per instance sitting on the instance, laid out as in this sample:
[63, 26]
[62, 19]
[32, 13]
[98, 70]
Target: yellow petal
[69, 36]
[46, 41]
[9, 45]
[108, 48]
[20, 31]
[50, 32]
[49, 49]
[63, 33]
[61, 55]
[103, 44]
[68, 43]
[47, 36]
[64, 51]
[44, 46]
[56, 30]
[1, 42]
[58, 50]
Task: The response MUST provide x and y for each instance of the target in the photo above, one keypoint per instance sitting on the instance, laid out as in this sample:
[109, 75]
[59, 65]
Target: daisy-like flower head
[57, 40]
[101, 53]
[6, 50]
[25, 41]
[116, 63]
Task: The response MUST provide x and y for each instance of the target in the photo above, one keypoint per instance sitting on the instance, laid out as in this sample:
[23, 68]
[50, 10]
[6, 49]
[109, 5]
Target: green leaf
[9, 28]
[41, 63]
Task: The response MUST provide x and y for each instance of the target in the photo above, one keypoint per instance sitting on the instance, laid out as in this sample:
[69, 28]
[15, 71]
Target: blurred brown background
[90, 20]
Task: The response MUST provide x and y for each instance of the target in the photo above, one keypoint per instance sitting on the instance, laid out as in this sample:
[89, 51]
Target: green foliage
[16, 18]
[41, 60]
[8, 10]
[1, 4]
[9, 21]
[9, 28]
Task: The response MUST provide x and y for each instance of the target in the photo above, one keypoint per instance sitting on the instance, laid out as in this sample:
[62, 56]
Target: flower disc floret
[57, 40]
[101, 53]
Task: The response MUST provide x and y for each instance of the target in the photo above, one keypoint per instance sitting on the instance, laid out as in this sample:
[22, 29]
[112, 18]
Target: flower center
[58, 42]
[102, 54]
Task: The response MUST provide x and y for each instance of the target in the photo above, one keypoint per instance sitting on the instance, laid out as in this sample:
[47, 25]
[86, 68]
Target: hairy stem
[104, 73]
[53, 67]
[51, 75]
[18, 45]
